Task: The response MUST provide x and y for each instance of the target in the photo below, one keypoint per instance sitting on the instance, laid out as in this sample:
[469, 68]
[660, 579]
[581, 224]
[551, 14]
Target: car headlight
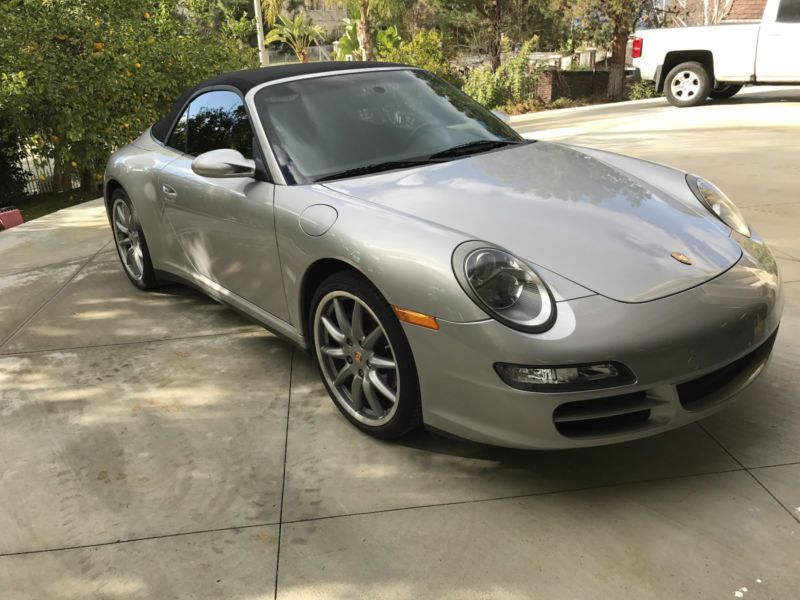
[505, 286]
[718, 203]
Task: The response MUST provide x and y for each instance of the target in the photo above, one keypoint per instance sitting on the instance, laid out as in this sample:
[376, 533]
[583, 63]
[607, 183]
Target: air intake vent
[698, 394]
[614, 414]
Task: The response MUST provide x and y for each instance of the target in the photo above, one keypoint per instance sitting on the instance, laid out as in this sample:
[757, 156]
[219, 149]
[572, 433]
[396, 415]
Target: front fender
[407, 259]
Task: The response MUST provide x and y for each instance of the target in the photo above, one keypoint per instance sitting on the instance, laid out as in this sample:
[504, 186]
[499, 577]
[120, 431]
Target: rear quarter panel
[135, 167]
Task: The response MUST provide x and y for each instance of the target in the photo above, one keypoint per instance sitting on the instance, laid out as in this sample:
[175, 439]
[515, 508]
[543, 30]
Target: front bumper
[717, 335]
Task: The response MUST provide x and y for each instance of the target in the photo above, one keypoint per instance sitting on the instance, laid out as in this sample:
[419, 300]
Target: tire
[687, 84]
[360, 357]
[131, 249]
[723, 91]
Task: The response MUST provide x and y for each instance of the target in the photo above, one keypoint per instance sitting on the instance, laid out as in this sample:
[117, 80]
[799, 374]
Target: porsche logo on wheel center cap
[357, 357]
[681, 258]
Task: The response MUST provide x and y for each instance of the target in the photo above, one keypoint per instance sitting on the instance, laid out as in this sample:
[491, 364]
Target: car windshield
[343, 125]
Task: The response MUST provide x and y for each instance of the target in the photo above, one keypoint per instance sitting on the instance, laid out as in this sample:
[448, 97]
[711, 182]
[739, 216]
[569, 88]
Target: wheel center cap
[357, 356]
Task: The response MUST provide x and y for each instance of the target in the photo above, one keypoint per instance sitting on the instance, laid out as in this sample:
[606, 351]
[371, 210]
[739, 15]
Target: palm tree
[364, 27]
[270, 9]
[299, 33]
[384, 8]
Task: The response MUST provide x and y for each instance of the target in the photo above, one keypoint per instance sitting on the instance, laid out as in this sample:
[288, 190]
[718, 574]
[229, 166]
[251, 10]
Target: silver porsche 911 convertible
[442, 269]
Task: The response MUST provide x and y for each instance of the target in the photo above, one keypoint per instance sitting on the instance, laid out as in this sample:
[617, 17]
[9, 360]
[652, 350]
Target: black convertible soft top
[249, 78]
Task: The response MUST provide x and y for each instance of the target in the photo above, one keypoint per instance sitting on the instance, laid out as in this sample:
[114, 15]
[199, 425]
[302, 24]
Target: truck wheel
[721, 91]
[688, 84]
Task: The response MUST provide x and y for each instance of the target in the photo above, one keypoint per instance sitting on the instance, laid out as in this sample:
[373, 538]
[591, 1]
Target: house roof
[245, 80]
[745, 10]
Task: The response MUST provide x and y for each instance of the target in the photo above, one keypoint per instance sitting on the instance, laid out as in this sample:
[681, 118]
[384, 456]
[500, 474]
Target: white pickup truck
[691, 64]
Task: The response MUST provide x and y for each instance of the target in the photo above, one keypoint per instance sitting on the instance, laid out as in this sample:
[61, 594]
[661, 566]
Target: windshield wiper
[461, 149]
[476, 146]
[375, 168]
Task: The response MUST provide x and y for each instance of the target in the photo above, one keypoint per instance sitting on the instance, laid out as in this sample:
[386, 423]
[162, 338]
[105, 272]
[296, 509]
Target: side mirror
[223, 163]
[502, 115]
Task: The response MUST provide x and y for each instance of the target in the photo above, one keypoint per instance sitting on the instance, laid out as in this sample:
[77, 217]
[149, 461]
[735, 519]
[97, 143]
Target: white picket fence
[38, 174]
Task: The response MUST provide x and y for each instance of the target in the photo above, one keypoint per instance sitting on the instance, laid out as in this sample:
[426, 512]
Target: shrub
[387, 40]
[567, 102]
[426, 51]
[520, 108]
[348, 43]
[512, 83]
[485, 87]
[521, 78]
[642, 90]
[12, 179]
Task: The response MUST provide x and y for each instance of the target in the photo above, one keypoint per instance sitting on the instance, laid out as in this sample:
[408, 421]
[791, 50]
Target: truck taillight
[637, 47]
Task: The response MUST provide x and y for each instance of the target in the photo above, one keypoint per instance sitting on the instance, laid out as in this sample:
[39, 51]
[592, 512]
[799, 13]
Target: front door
[225, 227]
[778, 54]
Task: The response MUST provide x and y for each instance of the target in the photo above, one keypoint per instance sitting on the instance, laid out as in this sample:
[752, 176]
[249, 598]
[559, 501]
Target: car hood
[557, 207]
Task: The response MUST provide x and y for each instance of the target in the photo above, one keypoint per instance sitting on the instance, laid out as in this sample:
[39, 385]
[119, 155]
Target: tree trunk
[616, 69]
[364, 37]
[62, 174]
[87, 181]
[495, 50]
[496, 41]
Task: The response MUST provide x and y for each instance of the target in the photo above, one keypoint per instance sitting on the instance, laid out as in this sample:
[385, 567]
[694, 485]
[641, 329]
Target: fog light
[568, 378]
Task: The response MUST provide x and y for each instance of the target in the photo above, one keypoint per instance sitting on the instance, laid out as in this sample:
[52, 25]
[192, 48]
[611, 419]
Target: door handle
[169, 192]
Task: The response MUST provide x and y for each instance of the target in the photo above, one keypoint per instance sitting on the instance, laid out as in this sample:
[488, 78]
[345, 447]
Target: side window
[789, 11]
[178, 138]
[218, 120]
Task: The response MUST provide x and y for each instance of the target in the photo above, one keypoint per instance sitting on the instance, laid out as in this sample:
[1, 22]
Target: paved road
[159, 446]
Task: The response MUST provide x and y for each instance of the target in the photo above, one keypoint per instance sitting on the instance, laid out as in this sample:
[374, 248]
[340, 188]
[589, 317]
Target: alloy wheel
[356, 358]
[126, 235]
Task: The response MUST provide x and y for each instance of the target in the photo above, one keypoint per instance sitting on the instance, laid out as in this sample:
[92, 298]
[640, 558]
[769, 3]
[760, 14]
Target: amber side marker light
[415, 318]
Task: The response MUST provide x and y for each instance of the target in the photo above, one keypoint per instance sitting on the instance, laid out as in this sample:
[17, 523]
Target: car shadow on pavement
[680, 452]
[770, 98]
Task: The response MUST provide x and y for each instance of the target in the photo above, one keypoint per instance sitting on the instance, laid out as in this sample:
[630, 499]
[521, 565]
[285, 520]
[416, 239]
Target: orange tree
[80, 77]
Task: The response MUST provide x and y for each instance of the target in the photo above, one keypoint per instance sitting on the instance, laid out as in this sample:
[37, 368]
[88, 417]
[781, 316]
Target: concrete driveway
[157, 445]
